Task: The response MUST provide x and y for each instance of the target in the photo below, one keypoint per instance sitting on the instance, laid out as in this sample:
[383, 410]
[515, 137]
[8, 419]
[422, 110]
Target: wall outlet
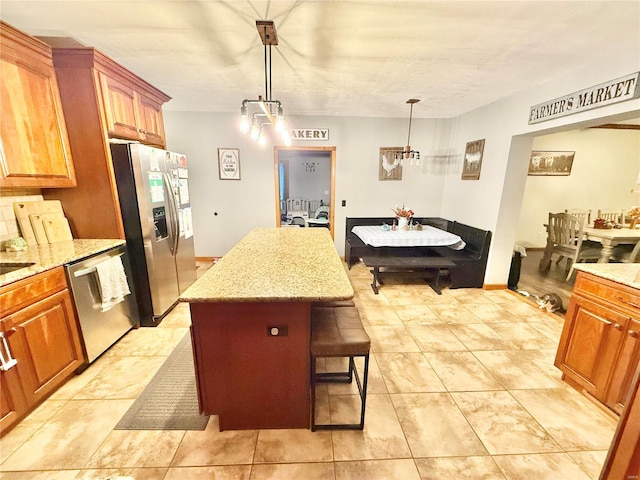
[277, 330]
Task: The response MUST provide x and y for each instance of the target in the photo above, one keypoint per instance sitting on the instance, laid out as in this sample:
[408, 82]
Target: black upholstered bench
[338, 332]
[408, 264]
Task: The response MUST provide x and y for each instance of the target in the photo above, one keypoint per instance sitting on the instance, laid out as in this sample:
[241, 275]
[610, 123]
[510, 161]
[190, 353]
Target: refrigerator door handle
[173, 210]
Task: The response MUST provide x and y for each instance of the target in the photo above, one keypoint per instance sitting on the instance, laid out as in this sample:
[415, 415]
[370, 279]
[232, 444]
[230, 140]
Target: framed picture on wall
[550, 163]
[229, 163]
[389, 167]
[473, 160]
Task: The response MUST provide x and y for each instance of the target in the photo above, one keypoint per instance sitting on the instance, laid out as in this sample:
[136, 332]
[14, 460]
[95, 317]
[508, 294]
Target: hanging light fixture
[269, 111]
[408, 153]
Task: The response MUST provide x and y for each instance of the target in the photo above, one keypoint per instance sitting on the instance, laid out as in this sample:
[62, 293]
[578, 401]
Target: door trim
[276, 176]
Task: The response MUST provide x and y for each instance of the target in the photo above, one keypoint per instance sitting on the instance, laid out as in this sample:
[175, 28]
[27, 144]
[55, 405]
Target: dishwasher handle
[87, 271]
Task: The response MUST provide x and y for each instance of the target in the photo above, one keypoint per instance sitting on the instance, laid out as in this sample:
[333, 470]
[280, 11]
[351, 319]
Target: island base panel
[246, 374]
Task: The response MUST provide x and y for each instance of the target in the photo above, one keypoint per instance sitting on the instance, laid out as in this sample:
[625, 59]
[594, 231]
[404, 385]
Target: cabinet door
[589, 344]
[13, 404]
[120, 108]
[50, 344]
[34, 148]
[151, 121]
[625, 367]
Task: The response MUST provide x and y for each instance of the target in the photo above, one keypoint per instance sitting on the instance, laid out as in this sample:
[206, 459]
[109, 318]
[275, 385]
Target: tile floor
[462, 386]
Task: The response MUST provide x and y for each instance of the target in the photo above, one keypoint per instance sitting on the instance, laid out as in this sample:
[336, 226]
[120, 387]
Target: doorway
[305, 177]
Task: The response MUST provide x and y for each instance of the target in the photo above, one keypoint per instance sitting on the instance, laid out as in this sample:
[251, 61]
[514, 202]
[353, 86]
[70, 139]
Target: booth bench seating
[470, 262]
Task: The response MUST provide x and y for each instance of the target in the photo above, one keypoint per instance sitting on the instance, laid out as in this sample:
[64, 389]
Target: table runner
[429, 236]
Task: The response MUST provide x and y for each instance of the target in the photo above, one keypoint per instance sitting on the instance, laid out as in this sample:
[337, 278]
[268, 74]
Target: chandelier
[408, 153]
[268, 111]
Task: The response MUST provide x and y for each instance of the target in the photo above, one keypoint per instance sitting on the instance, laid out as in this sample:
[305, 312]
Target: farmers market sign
[608, 93]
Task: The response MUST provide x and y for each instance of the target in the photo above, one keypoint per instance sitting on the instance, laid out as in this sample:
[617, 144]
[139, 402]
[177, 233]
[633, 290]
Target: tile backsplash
[8, 223]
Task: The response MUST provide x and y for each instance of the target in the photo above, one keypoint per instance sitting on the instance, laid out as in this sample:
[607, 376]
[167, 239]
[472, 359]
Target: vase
[403, 223]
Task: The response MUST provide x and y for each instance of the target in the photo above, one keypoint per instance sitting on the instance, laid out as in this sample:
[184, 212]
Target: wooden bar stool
[338, 332]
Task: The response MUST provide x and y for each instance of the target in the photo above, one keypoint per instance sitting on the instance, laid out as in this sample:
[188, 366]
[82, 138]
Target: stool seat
[338, 332]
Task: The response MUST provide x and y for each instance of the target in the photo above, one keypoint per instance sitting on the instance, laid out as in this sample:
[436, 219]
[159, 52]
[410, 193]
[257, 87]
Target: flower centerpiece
[403, 214]
[634, 214]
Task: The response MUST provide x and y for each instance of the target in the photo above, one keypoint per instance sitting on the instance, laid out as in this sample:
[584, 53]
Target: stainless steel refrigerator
[156, 212]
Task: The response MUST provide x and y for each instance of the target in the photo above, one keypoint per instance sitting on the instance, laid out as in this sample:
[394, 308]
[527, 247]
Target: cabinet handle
[6, 360]
[617, 326]
[623, 300]
[633, 334]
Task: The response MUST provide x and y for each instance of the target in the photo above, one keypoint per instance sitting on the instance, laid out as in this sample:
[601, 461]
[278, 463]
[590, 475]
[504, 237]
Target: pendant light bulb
[244, 120]
[255, 130]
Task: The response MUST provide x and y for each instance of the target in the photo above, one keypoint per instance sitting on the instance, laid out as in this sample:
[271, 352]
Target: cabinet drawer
[613, 293]
[18, 295]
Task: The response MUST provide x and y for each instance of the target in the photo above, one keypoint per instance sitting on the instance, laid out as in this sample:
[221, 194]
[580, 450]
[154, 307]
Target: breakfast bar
[250, 326]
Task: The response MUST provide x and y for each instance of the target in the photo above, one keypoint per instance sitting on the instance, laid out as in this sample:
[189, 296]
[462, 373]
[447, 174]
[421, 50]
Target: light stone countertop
[274, 265]
[53, 255]
[624, 273]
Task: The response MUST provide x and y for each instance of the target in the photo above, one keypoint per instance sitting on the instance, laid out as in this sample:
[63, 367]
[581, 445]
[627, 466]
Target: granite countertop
[624, 273]
[53, 255]
[275, 264]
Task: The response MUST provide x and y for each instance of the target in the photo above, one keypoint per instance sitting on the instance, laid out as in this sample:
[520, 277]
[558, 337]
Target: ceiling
[345, 58]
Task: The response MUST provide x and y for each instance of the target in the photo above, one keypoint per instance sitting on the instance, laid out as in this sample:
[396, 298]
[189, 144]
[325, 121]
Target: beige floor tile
[590, 461]
[435, 338]
[454, 313]
[116, 381]
[11, 441]
[572, 420]
[122, 474]
[376, 383]
[416, 314]
[213, 447]
[290, 446]
[391, 339]
[401, 295]
[76, 383]
[462, 372]
[70, 437]
[550, 328]
[179, 317]
[404, 469]
[479, 336]
[230, 472]
[367, 297]
[378, 315]
[137, 448]
[302, 471]
[43, 475]
[523, 335]
[491, 312]
[469, 295]
[550, 466]
[516, 370]
[459, 468]
[434, 426]
[502, 424]
[148, 341]
[408, 372]
[502, 297]
[382, 437]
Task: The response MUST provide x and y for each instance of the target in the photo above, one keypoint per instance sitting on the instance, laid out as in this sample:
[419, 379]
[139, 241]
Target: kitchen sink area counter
[46, 257]
[250, 326]
[274, 265]
[624, 273]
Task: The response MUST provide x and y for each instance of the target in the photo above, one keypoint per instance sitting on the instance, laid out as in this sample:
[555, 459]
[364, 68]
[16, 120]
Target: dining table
[428, 236]
[611, 237]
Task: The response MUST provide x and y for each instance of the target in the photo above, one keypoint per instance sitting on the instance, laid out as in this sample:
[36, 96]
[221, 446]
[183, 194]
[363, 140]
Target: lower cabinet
[599, 347]
[41, 345]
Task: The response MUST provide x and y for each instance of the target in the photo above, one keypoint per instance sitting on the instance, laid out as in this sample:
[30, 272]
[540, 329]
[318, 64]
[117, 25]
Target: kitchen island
[250, 326]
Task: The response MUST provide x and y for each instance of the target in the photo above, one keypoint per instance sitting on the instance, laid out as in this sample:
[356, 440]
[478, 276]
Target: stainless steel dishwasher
[100, 329]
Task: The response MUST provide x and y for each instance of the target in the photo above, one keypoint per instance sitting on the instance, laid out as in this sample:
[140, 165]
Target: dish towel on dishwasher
[112, 282]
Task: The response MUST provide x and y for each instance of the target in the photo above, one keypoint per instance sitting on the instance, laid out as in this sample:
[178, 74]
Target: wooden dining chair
[580, 212]
[612, 215]
[565, 238]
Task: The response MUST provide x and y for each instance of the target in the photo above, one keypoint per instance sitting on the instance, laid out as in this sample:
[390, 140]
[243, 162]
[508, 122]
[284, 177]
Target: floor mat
[170, 401]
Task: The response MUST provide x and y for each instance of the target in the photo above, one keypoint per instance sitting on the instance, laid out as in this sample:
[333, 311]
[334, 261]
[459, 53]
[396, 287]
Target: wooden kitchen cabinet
[599, 347]
[39, 324]
[101, 100]
[34, 147]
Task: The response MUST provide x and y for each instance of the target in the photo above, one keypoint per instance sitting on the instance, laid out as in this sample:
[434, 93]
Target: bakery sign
[615, 91]
[309, 134]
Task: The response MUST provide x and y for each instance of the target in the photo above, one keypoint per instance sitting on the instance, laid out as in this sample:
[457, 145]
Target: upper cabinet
[34, 147]
[102, 101]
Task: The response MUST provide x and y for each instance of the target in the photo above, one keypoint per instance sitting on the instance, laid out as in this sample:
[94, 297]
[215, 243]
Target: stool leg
[313, 393]
[363, 390]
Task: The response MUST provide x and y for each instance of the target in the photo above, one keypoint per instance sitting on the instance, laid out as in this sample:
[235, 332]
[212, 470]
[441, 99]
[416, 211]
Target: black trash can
[514, 271]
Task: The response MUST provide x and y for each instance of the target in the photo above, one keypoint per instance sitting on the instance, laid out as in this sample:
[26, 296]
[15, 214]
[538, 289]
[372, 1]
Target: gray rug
[170, 401]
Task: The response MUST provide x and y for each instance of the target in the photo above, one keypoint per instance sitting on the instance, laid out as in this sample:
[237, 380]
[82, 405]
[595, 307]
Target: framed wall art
[229, 163]
[390, 168]
[473, 160]
[550, 163]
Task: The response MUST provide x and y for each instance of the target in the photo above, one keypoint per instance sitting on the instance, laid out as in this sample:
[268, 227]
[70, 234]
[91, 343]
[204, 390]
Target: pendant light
[408, 153]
